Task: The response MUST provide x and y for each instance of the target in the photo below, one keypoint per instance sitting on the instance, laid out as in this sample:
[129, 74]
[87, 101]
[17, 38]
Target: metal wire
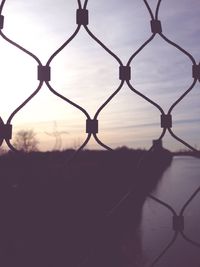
[125, 79]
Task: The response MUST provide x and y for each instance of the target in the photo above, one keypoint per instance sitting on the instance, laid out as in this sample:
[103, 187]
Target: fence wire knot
[1, 22]
[5, 131]
[91, 126]
[44, 73]
[196, 72]
[156, 26]
[82, 17]
[166, 121]
[125, 73]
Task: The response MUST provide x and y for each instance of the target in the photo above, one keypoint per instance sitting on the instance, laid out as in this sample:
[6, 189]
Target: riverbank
[54, 213]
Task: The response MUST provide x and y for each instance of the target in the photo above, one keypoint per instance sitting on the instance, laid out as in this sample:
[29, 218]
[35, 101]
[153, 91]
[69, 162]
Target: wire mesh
[44, 77]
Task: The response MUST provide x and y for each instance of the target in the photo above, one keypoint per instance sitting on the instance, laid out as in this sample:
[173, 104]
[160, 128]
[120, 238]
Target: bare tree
[25, 140]
[3, 151]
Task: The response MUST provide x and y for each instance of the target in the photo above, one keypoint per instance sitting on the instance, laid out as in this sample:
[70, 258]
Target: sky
[88, 75]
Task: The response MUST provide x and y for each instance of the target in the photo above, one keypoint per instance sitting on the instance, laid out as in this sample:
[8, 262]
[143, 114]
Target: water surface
[178, 183]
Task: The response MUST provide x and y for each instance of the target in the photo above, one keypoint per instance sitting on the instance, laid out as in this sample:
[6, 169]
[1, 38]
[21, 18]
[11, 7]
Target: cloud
[88, 75]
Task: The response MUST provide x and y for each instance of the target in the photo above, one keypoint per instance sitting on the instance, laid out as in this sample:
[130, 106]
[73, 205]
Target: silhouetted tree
[25, 140]
[2, 151]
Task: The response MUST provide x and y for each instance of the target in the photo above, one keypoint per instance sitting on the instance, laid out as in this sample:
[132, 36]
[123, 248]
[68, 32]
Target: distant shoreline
[187, 153]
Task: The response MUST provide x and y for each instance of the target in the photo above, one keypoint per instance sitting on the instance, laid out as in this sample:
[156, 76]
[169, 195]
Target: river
[178, 183]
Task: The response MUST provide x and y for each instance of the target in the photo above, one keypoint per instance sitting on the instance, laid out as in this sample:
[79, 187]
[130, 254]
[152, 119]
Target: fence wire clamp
[44, 73]
[166, 121]
[196, 71]
[82, 17]
[178, 223]
[1, 22]
[125, 73]
[91, 126]
[5, 131]
[156, 26]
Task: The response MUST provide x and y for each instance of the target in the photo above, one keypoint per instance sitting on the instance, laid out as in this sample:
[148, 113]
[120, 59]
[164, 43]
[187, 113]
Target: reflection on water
[178, 183]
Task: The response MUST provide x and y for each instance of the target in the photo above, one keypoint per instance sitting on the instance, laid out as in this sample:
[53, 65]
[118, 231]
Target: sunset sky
[88, 75]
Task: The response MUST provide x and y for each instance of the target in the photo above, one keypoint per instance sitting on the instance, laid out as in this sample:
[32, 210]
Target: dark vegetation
[57, 214]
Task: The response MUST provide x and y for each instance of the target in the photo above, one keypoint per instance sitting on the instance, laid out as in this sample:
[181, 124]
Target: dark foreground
[55, 214]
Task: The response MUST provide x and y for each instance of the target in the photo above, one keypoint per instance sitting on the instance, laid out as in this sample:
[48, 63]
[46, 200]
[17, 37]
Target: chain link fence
[166, 119]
